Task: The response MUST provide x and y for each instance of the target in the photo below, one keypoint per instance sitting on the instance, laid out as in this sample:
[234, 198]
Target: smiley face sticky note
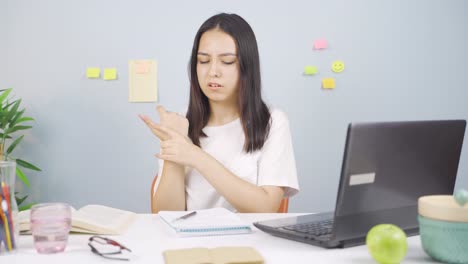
[338, 66]
[320, 44]
[110, 74]
[310, 70]
[328, 83]
[93, 73]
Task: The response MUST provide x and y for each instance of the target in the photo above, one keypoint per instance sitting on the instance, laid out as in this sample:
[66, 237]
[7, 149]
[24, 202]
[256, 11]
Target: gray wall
[3, 51]
[404, 60]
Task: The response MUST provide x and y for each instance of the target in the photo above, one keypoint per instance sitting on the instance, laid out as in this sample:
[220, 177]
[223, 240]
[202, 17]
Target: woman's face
[218, 67]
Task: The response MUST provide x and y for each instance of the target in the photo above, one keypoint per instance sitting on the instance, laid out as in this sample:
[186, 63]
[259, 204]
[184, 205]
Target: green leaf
[24, 119]
[16, 117]
[19, 200]
[13, 111]
[1, 135]
[26, 207]
[5, 94]
[22, 177]
[8, 104]
[16, 128]
[13, 145]
[27, 165]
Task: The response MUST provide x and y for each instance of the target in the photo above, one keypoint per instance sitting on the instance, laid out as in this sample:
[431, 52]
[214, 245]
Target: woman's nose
[214, 69]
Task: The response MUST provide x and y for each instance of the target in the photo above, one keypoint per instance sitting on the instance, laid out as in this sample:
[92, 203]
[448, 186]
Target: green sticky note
[310, 70]
[110, 74]
[93, 73]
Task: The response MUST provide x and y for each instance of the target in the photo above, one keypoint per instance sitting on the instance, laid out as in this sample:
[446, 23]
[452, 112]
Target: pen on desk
[185, 216]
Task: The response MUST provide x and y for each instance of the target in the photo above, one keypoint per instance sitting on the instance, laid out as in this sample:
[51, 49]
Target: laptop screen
[390, 165]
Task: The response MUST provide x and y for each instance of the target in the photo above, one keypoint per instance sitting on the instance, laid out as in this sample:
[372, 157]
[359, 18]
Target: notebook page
[208, 221]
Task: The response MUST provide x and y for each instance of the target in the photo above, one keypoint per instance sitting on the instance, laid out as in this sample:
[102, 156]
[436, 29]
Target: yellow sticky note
[110, 74]
[338, 66]
[310, 70]
[93, 73]
[328, 83]
[143, 85]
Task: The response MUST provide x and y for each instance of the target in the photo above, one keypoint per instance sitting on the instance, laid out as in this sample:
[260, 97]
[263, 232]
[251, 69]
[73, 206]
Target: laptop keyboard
[314, 228]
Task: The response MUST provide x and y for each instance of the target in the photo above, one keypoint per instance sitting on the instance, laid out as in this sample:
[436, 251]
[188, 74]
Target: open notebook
[90, 219]
[207, 222]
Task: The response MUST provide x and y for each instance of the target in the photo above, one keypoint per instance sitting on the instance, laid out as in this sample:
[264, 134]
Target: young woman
[230, 150]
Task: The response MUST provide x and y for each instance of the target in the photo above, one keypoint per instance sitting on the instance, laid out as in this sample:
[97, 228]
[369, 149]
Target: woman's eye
[228, 62]
[203, 62]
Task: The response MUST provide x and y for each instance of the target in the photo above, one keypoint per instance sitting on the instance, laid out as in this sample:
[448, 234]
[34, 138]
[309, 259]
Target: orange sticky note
[320, 44]
[142, 67]
[328, 83]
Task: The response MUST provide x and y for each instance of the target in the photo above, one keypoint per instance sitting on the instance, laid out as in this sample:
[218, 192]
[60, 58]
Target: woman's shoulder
[278, 116]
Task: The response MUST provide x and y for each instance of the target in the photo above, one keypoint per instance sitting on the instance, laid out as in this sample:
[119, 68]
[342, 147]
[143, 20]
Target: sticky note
[310, 70]
[143, 85]
[142, 67]
[338, 66]
[92, 73]
[110, 74]
[320, 44]
[328, 83]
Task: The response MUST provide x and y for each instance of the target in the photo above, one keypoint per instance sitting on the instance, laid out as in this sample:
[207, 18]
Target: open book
[91, 219]
[215, 221]
[220, 255]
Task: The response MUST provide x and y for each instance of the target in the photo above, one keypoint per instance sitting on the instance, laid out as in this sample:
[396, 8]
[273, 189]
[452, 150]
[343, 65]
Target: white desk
[148, 237]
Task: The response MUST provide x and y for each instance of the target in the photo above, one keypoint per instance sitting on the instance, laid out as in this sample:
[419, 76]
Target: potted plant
[12, 122]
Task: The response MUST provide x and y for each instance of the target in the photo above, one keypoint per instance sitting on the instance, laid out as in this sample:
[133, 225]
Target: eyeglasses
[110, 252]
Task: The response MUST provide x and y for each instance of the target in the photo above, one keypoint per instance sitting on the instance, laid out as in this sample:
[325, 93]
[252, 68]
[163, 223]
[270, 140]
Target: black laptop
[386, 167]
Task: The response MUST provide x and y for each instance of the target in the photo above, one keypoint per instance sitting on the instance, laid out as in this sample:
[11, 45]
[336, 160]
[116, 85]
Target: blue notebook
[207, 222]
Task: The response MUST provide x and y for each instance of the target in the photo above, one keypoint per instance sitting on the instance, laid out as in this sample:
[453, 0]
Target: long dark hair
[254, 114]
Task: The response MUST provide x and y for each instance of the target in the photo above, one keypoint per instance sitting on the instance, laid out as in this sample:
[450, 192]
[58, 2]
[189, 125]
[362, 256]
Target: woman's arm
[244, 196]
[170, 192]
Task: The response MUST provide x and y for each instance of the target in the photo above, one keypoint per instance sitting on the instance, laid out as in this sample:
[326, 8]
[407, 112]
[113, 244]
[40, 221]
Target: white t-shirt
[273, 165]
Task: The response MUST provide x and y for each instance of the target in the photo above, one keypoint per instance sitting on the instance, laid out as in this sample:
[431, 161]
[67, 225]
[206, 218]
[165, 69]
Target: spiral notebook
[207, 222]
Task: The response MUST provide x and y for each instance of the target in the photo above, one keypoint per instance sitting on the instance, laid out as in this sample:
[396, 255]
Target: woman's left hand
[176, 147]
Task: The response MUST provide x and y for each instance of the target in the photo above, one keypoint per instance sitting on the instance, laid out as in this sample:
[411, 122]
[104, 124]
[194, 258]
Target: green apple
[387, 243]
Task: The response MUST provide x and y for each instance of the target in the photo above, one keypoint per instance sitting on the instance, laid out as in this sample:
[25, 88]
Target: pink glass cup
[50, 225]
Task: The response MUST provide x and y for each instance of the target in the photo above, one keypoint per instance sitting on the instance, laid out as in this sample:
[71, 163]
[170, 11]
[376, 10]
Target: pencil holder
[9, 229]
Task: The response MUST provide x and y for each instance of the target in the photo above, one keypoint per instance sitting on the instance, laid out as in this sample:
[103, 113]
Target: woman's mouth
[214, 86]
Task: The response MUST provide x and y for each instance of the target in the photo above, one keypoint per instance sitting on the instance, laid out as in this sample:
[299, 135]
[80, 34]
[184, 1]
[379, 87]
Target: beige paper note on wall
[143, 86]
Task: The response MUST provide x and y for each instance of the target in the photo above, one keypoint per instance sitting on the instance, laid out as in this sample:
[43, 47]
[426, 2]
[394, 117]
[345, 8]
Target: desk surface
[148, 237]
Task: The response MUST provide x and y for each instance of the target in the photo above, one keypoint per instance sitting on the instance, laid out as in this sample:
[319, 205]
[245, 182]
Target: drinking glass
[50, 225]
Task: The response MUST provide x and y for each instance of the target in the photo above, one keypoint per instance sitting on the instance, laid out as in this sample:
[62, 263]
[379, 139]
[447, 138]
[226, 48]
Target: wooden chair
[282, 209]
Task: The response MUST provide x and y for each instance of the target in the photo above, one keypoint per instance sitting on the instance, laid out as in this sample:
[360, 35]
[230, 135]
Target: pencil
[185, 216]
[5, 221]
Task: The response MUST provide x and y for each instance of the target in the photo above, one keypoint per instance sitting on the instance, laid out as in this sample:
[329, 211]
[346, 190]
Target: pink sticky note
[320, 44]
[142, 67]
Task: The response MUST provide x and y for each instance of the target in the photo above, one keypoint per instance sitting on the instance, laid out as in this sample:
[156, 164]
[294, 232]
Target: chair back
[282, 209]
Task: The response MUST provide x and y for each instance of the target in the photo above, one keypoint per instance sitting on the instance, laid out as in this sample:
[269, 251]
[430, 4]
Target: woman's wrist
[199, 159]
[174, 166]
